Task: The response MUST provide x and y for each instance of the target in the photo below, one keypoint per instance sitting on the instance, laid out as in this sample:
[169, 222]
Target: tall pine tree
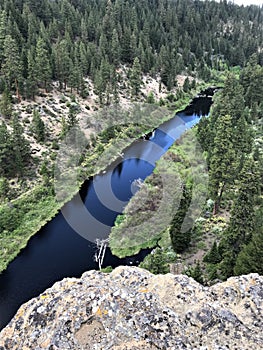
[242, 222]
[43, 69]
[223, 163]
[136, 78]
[12, 68]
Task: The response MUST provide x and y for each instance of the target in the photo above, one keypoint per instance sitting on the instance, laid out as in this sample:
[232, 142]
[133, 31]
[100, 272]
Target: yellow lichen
[101, 312]
[44, 296]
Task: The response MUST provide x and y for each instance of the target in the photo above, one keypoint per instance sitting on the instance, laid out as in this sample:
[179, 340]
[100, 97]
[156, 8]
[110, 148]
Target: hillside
[225, 235]
[61, 62]
[80, 81]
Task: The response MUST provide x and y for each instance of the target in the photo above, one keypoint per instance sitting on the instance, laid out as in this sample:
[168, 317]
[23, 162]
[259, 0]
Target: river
[57, 251]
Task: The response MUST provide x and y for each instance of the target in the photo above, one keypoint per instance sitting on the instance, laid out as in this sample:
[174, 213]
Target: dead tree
[101, 250]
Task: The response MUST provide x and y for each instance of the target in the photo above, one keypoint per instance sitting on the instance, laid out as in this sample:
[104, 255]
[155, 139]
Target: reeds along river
[57, 251]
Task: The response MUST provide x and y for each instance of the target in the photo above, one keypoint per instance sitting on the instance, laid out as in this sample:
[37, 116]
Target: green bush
[158, 261]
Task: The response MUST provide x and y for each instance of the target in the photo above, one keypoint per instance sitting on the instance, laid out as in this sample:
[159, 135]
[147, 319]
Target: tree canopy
[70, 39]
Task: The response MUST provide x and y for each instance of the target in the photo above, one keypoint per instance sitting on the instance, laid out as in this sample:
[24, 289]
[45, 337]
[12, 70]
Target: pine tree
[4, 188]
[250, 258]
[85, 58]
[114, 83]
[3, 27]
[21, 148]
[6, 107]
[251, 78]
[229, 102]
[103, 45]
[135, 78]
[204, 133]
[186, 86]
[193, 84]
[43, 69]
[63, 62]
[181, 240]
[64, 128]
[196, 273]
[165, 67]
[126, 51]
[72, 119]
[115, 48]
[75, 79]
[32, 74]
[156, 262]
[32, 27]
[223, 164]
[150, 98]
[38, 127]
[242, 137]
[242, 223]
[105, 72]
[213, 256]
[11, 68]
[99, 86]
[6, 151]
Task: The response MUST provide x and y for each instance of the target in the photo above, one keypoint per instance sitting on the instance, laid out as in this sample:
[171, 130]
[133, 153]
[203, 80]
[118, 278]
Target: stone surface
[131, 309]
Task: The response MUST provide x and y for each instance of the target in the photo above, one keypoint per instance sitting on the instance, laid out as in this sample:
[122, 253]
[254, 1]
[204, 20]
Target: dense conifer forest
[72, 45]
[41, 41]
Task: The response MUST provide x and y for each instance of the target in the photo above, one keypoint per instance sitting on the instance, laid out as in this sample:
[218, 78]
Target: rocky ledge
[132, 309]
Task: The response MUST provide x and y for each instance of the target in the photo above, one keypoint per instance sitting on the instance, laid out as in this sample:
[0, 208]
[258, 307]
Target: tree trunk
[17, 91]
[218, 200]
[45, 86]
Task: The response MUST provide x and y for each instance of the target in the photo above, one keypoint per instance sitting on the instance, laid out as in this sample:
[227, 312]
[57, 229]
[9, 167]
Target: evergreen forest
[72, 51]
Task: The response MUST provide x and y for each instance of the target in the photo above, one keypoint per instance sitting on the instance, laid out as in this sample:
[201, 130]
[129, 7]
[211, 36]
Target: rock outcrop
[132, 309]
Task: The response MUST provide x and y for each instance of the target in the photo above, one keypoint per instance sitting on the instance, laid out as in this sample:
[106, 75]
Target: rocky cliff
[132, 309]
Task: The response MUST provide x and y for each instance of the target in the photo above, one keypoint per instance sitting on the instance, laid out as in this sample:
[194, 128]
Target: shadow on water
[57, 251]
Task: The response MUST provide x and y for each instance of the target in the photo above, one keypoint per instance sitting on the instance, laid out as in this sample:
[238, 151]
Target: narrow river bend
[57, 251]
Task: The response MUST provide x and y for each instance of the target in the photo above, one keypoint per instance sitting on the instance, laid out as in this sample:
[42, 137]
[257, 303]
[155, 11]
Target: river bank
[66, 246]
[146, 219]
[32, 210]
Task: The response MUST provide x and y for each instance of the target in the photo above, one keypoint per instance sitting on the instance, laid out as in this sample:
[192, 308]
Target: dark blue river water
[57, 251]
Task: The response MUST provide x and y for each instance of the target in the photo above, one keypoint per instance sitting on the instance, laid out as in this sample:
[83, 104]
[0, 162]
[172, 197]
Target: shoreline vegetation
[225, 237]
[67, 66]
[181, 164]
[38, 206]
[60, 61]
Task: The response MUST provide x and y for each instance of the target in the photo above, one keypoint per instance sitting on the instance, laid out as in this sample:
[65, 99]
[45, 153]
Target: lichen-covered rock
[131, 309]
